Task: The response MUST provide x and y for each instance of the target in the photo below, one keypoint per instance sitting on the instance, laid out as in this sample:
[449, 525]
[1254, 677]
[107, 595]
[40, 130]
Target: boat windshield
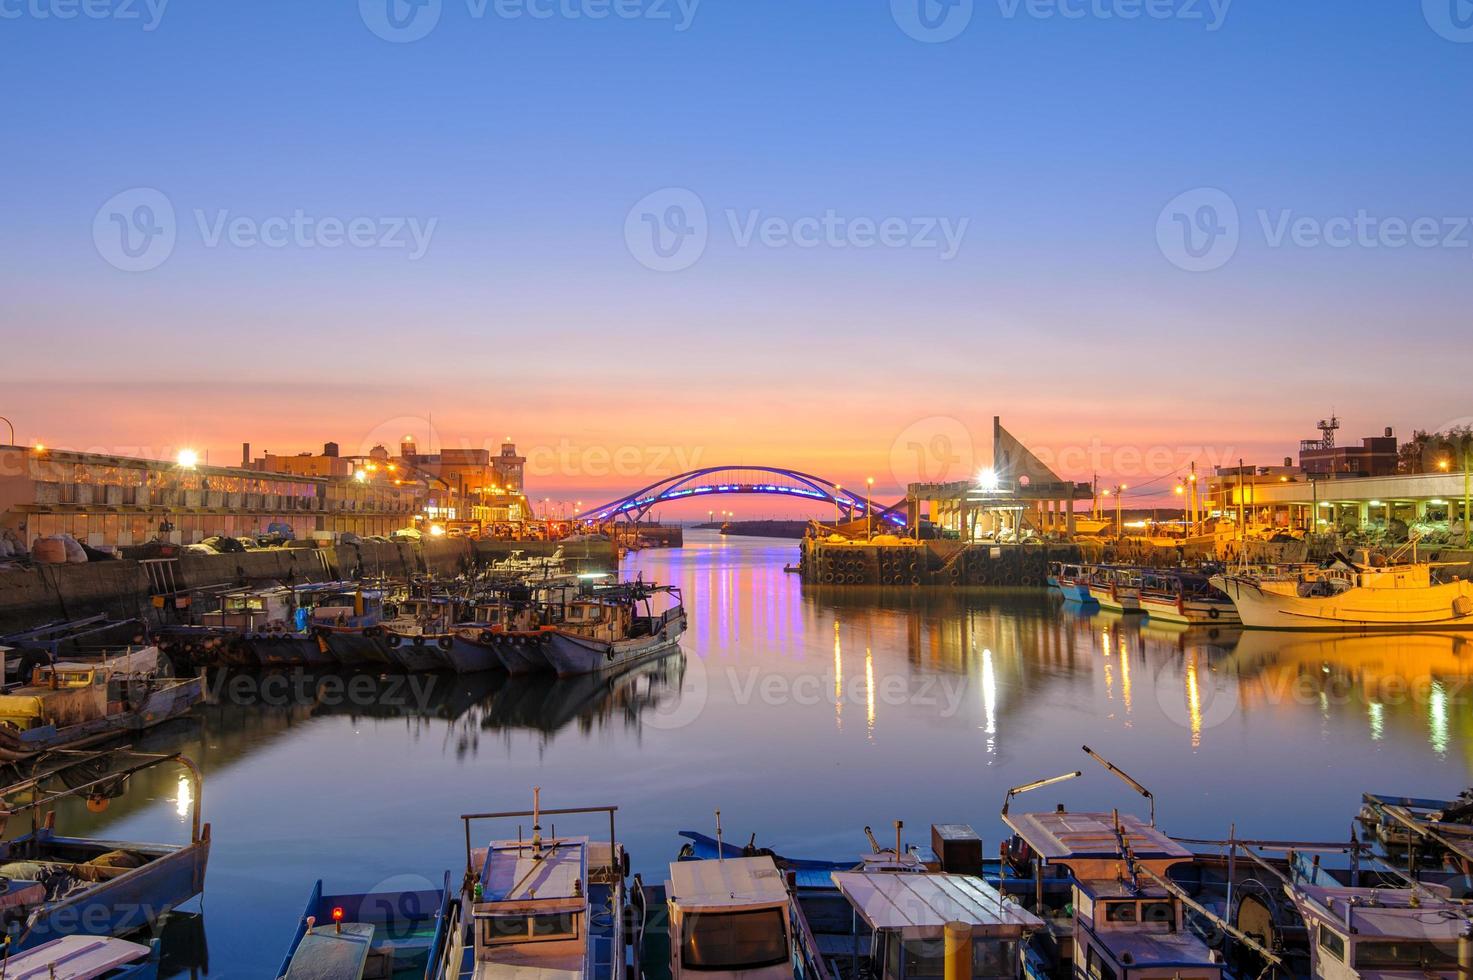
[927, 958]
[1405, 955]
[735, 940]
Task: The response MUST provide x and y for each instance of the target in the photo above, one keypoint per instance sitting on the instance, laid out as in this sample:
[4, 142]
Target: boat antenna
[536, 822]
[1125, 778]
[720, 848]
[1036, 784]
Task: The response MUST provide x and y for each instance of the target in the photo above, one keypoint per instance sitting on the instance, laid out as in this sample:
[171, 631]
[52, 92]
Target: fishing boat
[1434, 827]
[423, 633]
[547, 907]
[584, 630]
[350, 624]
[1184, 597]
[385, 933]
[731, 918]
[1350, 595]
[1072, 581]
[60, 885]
[1376, 932]
[613, 629]
[84, 958]
[77, 704]
[1115, 587]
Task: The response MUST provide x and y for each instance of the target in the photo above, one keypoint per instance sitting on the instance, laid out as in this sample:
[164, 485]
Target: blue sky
[1055, 141]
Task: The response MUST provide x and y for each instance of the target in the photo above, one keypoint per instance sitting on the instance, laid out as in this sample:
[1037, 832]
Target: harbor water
[804, 714]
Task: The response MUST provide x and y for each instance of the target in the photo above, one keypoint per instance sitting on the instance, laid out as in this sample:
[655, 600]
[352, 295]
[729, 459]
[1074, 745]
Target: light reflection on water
[960, 697]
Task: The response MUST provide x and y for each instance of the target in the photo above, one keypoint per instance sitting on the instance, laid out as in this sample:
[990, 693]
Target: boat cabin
[1126, 925]
[1382, 932]
[728, 917]
[530, 909]
[351, 608]
[252, 609]
[906, 916]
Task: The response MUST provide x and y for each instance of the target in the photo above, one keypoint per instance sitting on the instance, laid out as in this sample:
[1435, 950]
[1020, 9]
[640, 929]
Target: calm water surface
[804, 715]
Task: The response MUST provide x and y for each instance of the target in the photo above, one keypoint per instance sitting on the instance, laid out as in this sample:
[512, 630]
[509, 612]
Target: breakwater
[913, 563]
[123, 589]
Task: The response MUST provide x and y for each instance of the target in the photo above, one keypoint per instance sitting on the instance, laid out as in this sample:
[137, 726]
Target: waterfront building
[115, 501]
[1017, 492]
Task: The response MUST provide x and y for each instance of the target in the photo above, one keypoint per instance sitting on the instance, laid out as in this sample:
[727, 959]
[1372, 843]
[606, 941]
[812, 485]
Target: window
[501, 929]
[1120, 912]
[735, 940]
[1405, 955]
[1332, 943]
[1159, 912]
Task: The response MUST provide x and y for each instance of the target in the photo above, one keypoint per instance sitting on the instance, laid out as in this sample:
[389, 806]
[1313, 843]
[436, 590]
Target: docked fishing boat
[390, 933]
[547, 907]
[730, 918]
[1184, 597]
[1366, 932]
[1116, 588]
[349, 622]
[71, 705]
[60, 885]
[423, 634]
[84, 958]
[1434, 827]
[1350, 595]
[1072, 581]
[583, 631]
[613, 629]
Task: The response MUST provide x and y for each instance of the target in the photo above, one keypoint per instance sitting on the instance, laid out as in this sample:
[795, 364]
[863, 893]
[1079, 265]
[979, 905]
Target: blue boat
[1072, 581]
[61, 886]
[398, 933]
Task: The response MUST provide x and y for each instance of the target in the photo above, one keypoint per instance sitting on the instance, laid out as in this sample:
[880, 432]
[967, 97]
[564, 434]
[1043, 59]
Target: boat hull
[1191, 612]
[1435, 607]
[128, 903]
[571, 655]
[469, 655]
[355, 646]
[289, 650]
[162, 705]
[415, 653]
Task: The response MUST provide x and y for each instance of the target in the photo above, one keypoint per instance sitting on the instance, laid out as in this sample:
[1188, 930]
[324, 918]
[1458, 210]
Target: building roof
[1059, 835]
[908, 901]
[742, 882]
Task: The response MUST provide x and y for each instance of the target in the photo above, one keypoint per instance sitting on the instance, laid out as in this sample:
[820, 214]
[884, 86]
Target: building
[107, 501]
[471, 484]
[1375, 456]
[1016, 494]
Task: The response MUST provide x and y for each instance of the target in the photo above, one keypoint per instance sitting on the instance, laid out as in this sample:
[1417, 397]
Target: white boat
[1373, 933]
[1350, 596]
[1181, 597]
[540, 908]
[730, 919]
[84, 958]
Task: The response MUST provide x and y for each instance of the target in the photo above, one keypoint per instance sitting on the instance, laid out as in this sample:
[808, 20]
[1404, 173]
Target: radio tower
[1327, 432]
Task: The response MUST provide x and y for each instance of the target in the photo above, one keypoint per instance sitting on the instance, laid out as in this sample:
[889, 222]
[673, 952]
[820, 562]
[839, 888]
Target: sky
[643, 235]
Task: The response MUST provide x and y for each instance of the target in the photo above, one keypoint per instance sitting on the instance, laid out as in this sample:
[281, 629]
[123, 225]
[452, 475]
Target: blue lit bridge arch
[714, 481]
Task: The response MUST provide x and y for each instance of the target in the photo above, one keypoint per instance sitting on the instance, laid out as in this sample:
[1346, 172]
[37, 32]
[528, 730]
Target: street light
[869, 519]
[188, 459]
[1119, 509]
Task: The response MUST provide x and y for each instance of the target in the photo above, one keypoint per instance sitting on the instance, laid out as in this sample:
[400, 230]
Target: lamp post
[869, 517]
[1119, 492]
[838, 489]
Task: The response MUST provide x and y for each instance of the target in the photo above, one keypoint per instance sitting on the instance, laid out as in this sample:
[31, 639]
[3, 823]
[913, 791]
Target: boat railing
[536, 816]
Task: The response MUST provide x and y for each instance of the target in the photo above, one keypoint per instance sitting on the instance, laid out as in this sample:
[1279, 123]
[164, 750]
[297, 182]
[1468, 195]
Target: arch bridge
[714, 481]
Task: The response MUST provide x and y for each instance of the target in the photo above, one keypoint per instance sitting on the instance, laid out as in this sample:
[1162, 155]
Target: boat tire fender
[444, 643]
[394, 640]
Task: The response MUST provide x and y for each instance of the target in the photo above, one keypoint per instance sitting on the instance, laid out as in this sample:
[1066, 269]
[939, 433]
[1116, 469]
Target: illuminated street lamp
[188, 459]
